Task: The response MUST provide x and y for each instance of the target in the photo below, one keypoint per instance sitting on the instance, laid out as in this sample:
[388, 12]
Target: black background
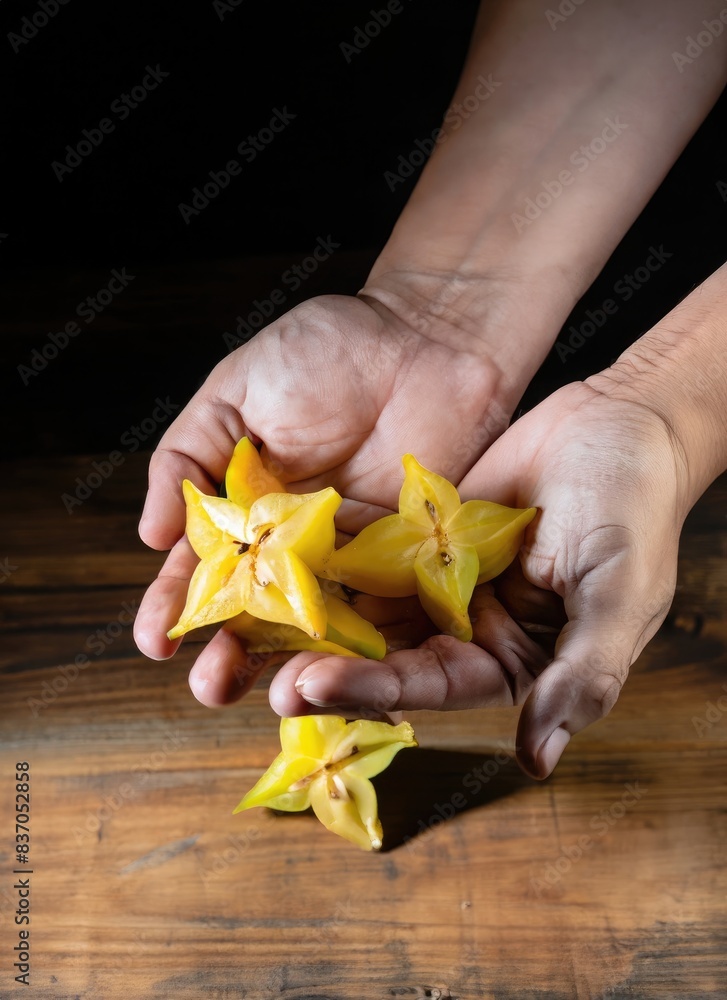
[324, 174]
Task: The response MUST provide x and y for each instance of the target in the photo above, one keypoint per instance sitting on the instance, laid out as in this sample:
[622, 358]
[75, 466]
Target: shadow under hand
[422, 789]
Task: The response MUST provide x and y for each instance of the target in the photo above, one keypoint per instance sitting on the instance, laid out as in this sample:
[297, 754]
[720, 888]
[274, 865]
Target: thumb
[198, 446]
[611, 618]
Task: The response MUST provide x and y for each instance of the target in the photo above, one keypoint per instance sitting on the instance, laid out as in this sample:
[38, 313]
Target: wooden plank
[608, 880]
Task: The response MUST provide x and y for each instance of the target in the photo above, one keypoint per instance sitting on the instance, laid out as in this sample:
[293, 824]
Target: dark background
[323, 175]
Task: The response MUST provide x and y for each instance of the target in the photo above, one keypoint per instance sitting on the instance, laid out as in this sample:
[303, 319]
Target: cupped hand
[597, 570]
[338, 390]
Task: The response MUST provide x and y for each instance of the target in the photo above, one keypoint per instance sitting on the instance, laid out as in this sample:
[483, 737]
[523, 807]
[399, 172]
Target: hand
[338, 389]
[599, 560]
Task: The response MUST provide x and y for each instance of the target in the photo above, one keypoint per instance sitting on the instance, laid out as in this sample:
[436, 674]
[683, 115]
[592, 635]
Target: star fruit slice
[326, 763]
[247, 477]
[262, 560]
[347, 633]
[436, 547]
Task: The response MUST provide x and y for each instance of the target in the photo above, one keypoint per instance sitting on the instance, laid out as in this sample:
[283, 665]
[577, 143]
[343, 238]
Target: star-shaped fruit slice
[248, 478]
[263, 560]
[347, 633]
[435, 546]
[326, 763]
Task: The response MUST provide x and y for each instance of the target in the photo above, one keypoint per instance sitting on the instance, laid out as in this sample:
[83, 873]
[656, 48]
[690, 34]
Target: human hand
[338, 390]
[598, 565]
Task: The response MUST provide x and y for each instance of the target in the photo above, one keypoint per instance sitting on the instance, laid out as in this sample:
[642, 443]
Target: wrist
[500, 315]
[679, 371]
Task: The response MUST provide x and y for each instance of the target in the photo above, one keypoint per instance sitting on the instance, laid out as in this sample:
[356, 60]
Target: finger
[505, 474]
[223, 672]
[610, 623]
[353, 515]
[197, 446]
[392, 612]
[580, 687]
[164, 602]
[443, 673]
[287, 702]
[498, 634]
[163, 518]
[527, 603]
[401, 620]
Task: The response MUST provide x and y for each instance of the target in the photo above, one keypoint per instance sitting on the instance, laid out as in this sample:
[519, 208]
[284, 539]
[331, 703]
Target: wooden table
[608, 880]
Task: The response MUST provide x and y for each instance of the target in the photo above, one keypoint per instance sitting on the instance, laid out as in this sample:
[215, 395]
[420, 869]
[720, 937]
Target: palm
[597, 569]
[340, 394]
[605, 475]
[338, 390]
[595, 468]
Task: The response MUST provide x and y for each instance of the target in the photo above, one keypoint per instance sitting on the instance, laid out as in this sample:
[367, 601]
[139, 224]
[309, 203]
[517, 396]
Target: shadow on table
[420, 790]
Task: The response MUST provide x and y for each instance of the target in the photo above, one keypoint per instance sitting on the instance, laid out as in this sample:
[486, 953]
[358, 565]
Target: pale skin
[432, 356]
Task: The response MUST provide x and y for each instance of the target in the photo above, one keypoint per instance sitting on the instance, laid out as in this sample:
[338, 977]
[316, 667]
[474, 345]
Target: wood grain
[609, 880]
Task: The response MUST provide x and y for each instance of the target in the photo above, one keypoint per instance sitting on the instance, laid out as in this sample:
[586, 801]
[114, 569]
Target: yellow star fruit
[436, 547]
[347, 633]
[263, 560]
[326, 763]
[262, 551]
[247, 478]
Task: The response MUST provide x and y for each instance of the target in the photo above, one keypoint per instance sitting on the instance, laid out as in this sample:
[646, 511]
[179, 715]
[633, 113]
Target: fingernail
[310, 689]
[551, 750]
[198, 684]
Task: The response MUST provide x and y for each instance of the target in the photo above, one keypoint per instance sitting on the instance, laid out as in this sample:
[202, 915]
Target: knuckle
[389, 692]
[435, 672]
[604, 689]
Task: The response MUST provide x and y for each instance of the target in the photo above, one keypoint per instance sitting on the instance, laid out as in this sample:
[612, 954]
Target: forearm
[534, 178]
[679, 370]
